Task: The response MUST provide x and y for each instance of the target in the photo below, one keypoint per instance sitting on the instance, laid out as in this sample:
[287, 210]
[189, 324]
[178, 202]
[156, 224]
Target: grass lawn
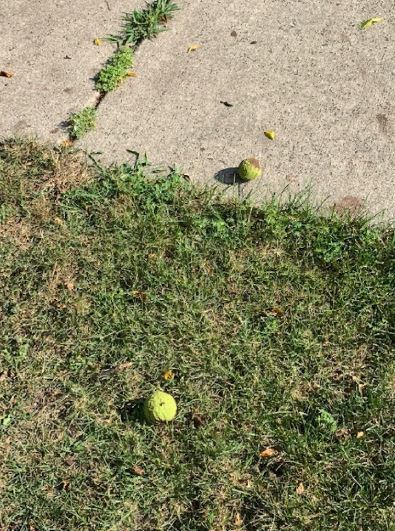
[276, 322]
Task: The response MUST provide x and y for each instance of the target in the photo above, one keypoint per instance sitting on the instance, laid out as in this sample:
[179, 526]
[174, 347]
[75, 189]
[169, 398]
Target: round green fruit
[249, 169]
[160, 406]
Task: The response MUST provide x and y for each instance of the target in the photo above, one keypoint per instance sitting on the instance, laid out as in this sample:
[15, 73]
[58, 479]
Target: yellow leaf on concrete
[193, 48]
[132, 74]
[370, 22]
[270, 134]
[97, 42]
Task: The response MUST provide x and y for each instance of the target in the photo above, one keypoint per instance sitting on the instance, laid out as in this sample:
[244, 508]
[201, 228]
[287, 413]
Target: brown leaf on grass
[138, 471]
[70, 286]
[361, 386]
[193, 48]
[360, 434]
[277, 311]
[58, 221]
[6, 73]
[63, 485]
[343, 433]
[125, 365]
[197, 419]
[238, 520]
[70, 460]
[141, 295]
[300, 489]
[4, 375]
[267, 453]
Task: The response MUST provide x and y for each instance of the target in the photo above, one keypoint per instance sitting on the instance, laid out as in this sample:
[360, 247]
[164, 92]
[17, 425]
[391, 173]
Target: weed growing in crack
[82, 122]
[144, 24]
[115, 71]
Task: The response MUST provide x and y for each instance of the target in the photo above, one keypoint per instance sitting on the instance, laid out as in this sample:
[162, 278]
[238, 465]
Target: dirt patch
[19, 232]
[349, 204]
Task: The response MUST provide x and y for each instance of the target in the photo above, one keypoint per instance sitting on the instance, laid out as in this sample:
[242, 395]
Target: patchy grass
[115, 71]
[146, 23]
[276, 322]
[82, 122]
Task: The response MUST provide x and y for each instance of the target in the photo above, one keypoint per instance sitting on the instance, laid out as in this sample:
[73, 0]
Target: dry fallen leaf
[58, 221]
[67, 143]
[141, 295]
[70, 286]
[193, 48]
[5, 73]
[343, 433]
[168, 375]
[125, 365]
[268, 452]
[360, 434]
[197, 419]
[138, 471]
[370, 22]
[270, 134]
[132, 74]
[300, 489]
[70, 460]
[64, 485]
[238, 520]
[277, 311]
[97, 42]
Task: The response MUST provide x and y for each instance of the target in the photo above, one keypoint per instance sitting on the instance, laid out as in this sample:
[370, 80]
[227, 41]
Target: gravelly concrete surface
[302, 68]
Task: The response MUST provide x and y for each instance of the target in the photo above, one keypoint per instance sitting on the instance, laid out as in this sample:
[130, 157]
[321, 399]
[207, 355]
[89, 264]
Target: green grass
[276, 321]
[82, 122]
[146, 23]
[115, 71]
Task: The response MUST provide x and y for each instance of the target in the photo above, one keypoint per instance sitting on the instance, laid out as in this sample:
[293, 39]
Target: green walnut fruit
[249, 169]
[160, 406]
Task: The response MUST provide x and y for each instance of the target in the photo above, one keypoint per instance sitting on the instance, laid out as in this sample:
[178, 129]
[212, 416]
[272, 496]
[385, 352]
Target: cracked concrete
[48, 46]
[302, 68]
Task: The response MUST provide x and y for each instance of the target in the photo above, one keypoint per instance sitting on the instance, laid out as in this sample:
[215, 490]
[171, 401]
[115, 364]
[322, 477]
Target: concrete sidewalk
[48, 46]
[302, 68]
